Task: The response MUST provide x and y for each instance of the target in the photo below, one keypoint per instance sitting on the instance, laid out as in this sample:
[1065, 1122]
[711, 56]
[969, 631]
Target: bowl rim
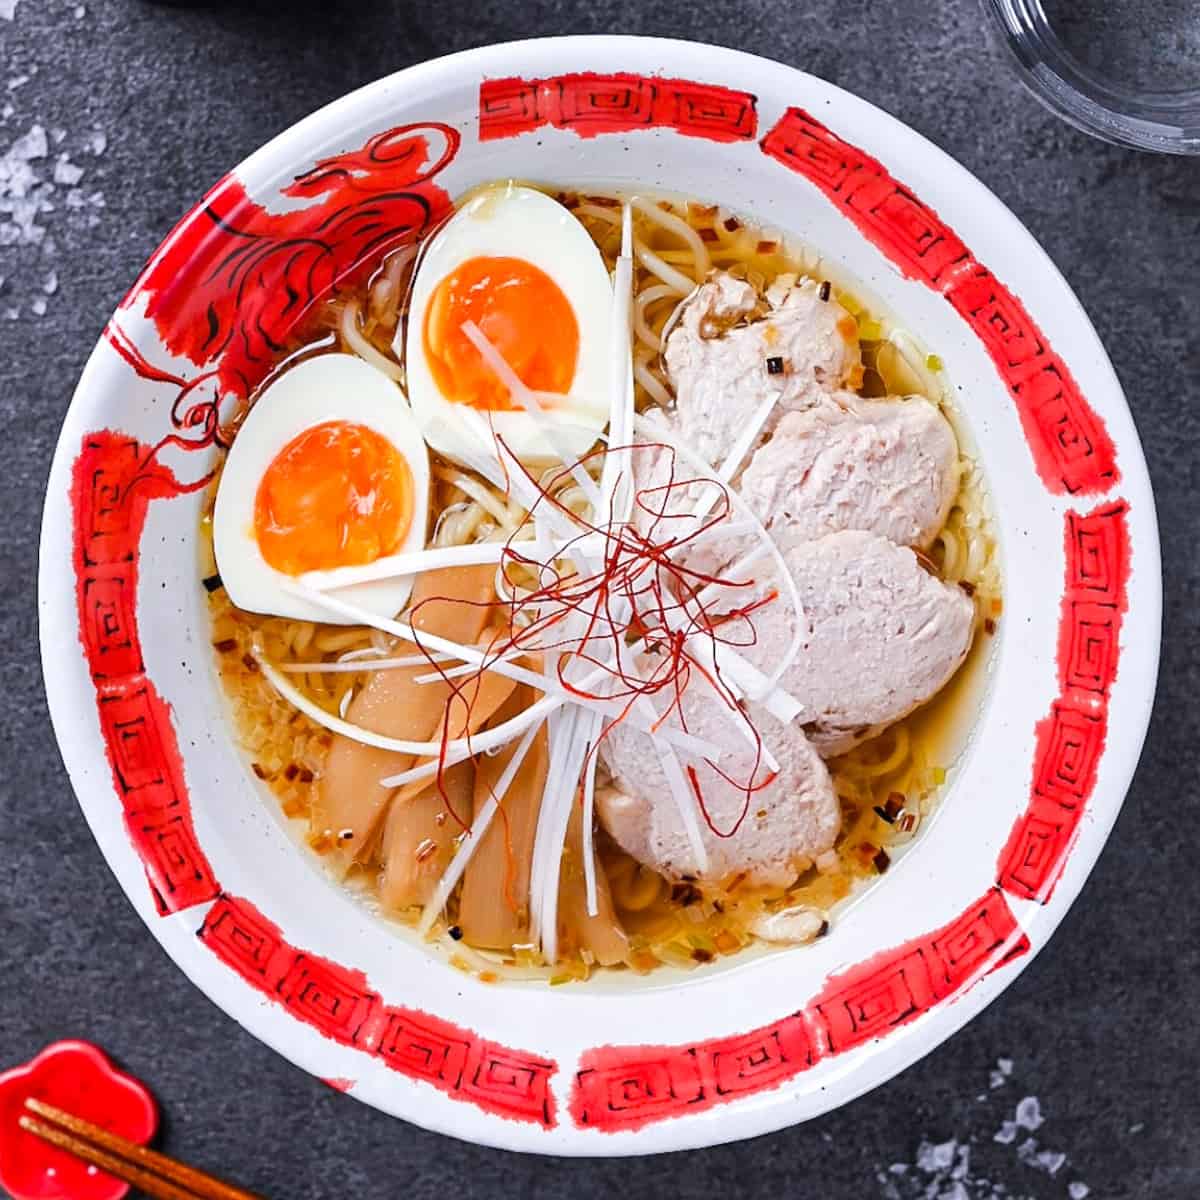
[772, 1112]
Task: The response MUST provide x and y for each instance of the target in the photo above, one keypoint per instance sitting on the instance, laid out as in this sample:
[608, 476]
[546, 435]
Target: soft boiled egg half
[328, 470]
[522, 269]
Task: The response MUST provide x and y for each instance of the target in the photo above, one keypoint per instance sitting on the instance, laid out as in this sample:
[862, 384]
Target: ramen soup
[602, 585]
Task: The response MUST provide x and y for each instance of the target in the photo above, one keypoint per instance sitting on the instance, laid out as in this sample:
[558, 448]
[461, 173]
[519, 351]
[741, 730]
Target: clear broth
[888, 786]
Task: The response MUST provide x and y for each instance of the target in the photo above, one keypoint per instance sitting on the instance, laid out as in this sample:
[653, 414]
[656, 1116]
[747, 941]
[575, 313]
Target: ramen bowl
[618, 1065]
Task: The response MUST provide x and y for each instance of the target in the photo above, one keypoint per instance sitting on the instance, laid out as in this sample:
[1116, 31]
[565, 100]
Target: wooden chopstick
[157, 1175]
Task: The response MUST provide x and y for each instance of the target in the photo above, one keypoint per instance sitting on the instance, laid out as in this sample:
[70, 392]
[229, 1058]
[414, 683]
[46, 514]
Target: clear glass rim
[1167, 122]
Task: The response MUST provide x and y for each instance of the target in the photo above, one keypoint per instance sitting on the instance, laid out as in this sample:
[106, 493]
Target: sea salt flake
[1138, 1127]
[1027, 1152]
[12, 313]
[66, 172]
[956, 1191]
[8, 9]
[1006, 1134]
[7, 111]
[50, 283]
[963, 1165]
[1050, 1161]
[1078, 1190]
[57, 136]
[932, 1158]
[30, 146]
[1029, 1113]
[96, 142]
[39, 306]
[80, 12]
[17, 81]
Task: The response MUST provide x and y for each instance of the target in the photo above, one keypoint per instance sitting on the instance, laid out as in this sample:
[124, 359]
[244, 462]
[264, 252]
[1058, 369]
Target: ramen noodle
[886, 787]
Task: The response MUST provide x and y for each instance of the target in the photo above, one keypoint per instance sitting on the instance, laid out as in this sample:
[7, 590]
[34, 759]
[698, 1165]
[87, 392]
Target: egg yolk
[520, 310]
[336, 495]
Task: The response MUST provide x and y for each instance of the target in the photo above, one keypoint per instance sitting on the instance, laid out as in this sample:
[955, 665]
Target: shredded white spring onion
[513, 480]
[739, 673]
[589, 820]
[530, 401]
[746, 439]
[722, 666]
[372, 663]
[371, 651]
[480, 743]
[616, 478]
[685, 799]
[696, 462]
[487, 661]
[417, 562]
[463, 669]
[456, 749]
[568, 745]
[733, 460]
[479, 826]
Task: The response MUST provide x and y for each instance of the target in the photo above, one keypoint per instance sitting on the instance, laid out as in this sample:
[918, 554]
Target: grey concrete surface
[1102, 1027]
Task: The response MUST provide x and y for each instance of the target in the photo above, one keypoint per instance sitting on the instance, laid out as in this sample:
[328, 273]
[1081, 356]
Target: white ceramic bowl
[733, 1051]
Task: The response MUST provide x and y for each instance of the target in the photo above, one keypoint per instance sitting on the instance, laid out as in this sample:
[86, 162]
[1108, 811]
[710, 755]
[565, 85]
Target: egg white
[329, 387]
[506, 220]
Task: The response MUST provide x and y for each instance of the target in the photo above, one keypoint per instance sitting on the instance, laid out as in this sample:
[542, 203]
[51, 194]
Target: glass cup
[1127, 71]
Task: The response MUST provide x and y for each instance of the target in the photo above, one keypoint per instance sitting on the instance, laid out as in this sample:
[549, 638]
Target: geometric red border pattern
[113, 480]
[590, 104]
[1070, 740]
[1071, 448]
[339, 1003]
[628, 1087]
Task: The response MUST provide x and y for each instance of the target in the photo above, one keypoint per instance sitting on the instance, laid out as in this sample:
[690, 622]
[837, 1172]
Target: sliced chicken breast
[880, 636]
[724, 365]
[889, 467]
[792, 818]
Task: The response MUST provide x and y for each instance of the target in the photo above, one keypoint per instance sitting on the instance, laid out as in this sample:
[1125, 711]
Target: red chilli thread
[638, 575]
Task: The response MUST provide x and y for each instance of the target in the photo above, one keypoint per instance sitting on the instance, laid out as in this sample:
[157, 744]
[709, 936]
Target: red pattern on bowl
[206, 299]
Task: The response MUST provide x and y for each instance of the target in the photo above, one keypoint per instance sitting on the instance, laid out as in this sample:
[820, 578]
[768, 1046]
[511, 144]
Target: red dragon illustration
[236, 281]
